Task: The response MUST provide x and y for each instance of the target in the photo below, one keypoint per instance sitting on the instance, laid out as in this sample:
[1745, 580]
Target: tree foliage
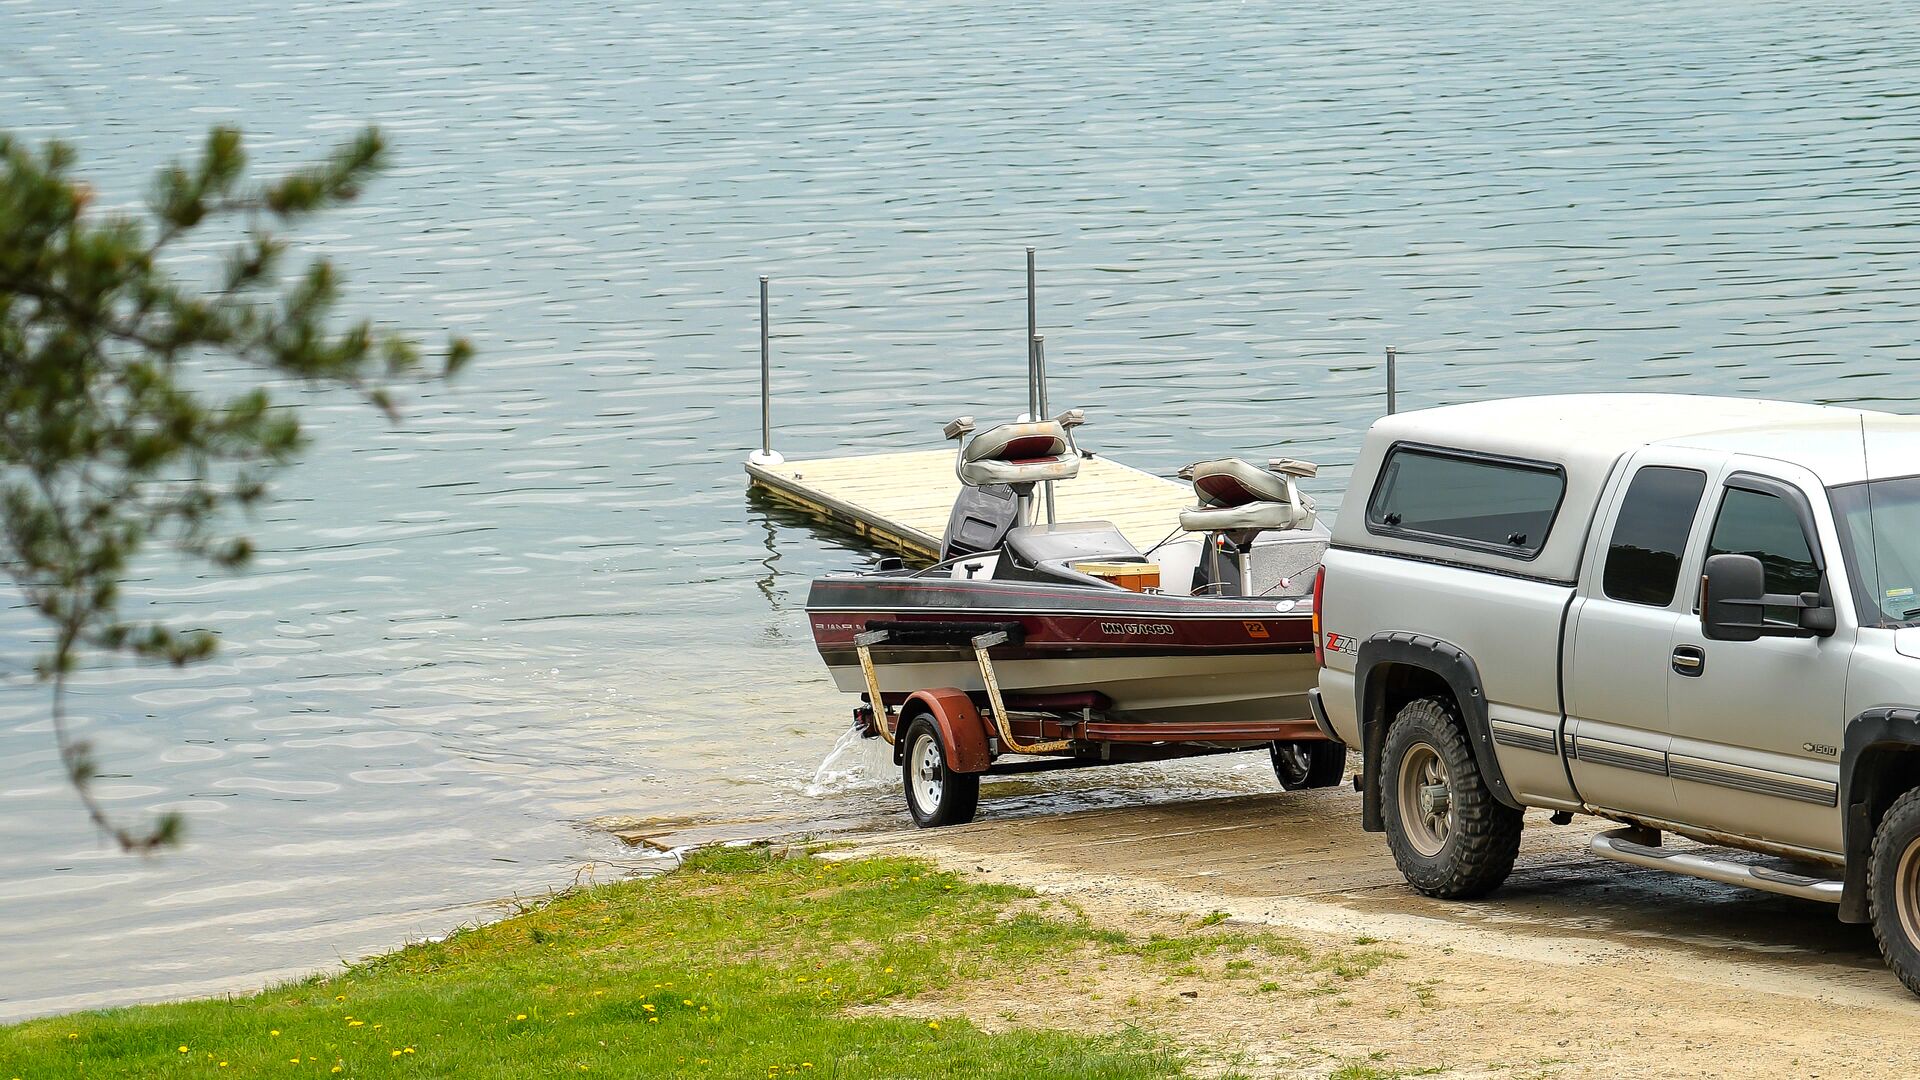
[123, 427]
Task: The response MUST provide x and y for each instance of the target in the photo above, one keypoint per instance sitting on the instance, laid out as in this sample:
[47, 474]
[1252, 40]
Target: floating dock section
[901, 501]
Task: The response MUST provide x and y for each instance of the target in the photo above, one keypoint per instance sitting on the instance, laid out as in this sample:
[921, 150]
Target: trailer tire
[936, 795]
[1308, 763]
[1450, 837]
[1893, 888]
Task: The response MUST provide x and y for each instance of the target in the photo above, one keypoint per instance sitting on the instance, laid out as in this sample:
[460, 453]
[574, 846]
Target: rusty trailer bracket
[981, 645]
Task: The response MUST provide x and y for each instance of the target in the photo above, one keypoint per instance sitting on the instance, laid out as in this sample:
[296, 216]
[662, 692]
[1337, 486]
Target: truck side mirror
[1730, 592]
[1734, 603]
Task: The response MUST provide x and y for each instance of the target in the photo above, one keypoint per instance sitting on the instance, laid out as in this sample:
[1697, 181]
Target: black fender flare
[1869, 736]
[1452, 664]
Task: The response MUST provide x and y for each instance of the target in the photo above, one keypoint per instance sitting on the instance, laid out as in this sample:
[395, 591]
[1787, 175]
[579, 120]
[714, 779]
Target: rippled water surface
[544, 599]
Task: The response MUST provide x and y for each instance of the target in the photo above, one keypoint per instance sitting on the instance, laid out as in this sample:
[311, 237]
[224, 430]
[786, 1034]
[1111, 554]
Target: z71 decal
[1344, 643]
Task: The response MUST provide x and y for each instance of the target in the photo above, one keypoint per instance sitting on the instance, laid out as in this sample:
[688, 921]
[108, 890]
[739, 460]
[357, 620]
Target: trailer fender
[962, 731]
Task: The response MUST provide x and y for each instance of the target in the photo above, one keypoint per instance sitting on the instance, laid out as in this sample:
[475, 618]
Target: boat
[1032, 645]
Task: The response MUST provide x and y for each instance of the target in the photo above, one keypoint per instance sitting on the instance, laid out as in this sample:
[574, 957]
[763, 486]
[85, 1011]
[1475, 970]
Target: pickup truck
[1690, 615]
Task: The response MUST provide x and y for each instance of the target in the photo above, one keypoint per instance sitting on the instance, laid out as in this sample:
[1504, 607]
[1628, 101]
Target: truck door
[1629, 610]
[1755, 723]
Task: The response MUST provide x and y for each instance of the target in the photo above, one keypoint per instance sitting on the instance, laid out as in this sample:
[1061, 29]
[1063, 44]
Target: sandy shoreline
[1578, 967]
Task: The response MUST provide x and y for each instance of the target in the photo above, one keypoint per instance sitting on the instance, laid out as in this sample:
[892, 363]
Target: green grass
[743, 964]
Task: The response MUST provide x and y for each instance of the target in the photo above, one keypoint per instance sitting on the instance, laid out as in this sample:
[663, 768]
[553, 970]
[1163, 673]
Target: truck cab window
[1650, 535]
[1766, 527]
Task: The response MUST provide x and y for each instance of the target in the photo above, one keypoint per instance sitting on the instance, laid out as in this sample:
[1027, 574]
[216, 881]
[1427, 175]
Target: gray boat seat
[1048, 552]
[1018, 454]
[1238, 496]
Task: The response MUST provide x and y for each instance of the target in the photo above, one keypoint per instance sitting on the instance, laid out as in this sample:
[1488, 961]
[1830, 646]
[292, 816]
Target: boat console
[1048, 553]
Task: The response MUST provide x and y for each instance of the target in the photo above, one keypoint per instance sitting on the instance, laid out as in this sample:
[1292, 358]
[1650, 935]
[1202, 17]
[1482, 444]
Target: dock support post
[1393, 355]
[1034, 390]
[765, 455]
[1039, 347]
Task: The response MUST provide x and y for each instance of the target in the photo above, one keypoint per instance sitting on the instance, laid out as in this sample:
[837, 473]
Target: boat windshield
[1880, 534]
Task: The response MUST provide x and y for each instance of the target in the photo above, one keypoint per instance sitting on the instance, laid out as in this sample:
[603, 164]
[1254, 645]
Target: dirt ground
[1577, 967]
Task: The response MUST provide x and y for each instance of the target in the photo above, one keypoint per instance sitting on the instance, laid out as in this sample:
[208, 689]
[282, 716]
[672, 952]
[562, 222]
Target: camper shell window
[1465, 499]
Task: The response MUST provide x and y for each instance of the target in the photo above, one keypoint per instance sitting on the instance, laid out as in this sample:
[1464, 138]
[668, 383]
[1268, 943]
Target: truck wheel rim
[1293, 761]
[1906, 891]
[926, 784]
[1426, 805]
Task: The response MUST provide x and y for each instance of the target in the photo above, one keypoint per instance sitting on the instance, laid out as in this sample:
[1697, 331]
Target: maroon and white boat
[1063, 645]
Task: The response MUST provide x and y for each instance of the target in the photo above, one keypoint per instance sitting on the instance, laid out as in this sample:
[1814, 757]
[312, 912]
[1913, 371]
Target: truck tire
[1450, 837]
[936, 795]
[1308, 763]
[1893, 888]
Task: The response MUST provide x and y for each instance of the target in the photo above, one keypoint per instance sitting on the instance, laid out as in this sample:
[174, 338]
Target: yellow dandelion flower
[934, 1024]
[339, 997]
[684, 1001]
[597, 993]
[293, 1061]
[889, 971]
[183, 1049]
[73, 1035]
[522, 1016]
[396, 1053]
[802, 978]
[703, 1008]
[649, 1008]
[275, 1033]
[356, 1023]
[409, 1049]
[336, 1068]
[223, 1064]
[653, 1019]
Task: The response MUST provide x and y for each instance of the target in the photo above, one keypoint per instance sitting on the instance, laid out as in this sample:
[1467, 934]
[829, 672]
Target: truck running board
[1621, 846]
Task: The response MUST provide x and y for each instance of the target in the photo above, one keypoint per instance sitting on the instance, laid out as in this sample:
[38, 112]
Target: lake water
[544, 602]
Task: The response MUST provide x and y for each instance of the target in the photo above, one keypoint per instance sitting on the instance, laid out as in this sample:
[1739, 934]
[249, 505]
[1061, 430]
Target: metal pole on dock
[765, 455]
[1393, 355]
[1040, 369]
[1035, 392]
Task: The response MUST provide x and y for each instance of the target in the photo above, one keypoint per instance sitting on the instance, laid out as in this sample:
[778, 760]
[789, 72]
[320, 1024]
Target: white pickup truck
[1693, 615]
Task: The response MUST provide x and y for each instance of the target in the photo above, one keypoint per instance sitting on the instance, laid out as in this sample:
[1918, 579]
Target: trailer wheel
[936, 795]
[1308, 763]
[1450, 837]
[1893, 888]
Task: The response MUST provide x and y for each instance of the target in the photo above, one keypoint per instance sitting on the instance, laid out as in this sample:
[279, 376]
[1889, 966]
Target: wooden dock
[901, 501]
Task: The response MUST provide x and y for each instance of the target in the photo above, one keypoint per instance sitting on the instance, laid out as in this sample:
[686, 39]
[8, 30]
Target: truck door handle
[1689, 660]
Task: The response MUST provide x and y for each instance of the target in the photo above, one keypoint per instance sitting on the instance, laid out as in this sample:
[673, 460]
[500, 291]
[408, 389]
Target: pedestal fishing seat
[1018, 454]
[998, 469]
[1236, 501]
[1234, 496]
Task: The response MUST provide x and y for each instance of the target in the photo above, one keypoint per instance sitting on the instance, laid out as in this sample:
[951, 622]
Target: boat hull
[1156, 659]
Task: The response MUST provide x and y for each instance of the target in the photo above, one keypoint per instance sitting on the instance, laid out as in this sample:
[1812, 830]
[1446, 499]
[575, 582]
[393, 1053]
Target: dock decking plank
[901, 501]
